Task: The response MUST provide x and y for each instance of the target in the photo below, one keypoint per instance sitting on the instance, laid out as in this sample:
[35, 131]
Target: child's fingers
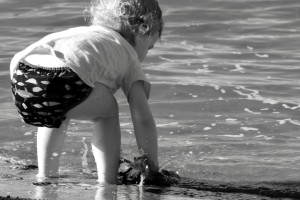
[151, 166]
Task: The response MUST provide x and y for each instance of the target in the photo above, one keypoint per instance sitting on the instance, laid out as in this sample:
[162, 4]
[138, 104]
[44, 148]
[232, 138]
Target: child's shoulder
[80, 30]
[88, 33]
[83, 35]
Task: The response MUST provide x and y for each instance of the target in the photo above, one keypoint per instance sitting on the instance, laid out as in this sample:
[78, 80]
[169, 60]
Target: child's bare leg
[101, 107]
[106, 148]
[50, 142]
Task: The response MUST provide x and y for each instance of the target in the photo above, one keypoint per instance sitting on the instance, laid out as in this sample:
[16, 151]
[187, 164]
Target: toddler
[73, 74]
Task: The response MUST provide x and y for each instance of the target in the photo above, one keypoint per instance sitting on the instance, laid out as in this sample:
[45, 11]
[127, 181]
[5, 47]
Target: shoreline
[12, 198]
[17, 182]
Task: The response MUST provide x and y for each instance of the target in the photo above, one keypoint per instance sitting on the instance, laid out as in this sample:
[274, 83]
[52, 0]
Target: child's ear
[144, 28]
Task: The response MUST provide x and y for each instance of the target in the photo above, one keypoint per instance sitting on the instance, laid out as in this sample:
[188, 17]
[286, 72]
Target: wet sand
[17, 182]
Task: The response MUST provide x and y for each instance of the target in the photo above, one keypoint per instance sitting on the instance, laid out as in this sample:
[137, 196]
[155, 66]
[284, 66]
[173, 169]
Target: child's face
[144, 44]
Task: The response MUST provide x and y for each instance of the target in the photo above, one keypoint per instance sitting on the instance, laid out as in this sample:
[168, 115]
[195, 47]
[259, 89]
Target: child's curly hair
[127, 17]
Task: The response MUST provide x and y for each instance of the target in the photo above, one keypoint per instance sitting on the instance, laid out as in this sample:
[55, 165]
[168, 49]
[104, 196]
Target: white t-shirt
[95, 53]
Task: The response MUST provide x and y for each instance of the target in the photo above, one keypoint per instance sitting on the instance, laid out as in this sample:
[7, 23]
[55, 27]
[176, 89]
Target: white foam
[253, 95]
[250, 48]
[265, 137]
[203, 71]
[265, 109]
[284, 121]
[290, 107]
[233, 136]
[221, 158]
[262, 55]
[232, 121]
[207, 128]
[28, 133]
[238, 68]
[249, 129]
[252, 112]
[167, 124]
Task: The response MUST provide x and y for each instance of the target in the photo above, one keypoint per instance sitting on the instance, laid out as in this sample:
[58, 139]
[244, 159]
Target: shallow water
[225, 89]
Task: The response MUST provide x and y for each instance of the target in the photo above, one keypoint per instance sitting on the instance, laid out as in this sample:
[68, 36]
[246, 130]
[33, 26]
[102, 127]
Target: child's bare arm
[143, 122]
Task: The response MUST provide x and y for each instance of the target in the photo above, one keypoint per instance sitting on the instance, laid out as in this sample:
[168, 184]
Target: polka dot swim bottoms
[43, 96]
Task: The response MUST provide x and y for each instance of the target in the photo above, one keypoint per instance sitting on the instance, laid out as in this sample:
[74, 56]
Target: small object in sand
[41, 183]
[29, 167]
[137, 172]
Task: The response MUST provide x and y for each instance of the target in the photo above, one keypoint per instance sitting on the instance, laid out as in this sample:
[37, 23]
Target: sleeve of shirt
[133, 74]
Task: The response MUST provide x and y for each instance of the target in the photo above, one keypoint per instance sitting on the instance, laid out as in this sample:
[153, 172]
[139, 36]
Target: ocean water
[225, 90]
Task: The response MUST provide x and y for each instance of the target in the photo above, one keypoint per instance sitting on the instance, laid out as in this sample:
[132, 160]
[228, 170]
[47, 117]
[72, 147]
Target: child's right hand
[161, 178]
[149, 165]
[150, 172]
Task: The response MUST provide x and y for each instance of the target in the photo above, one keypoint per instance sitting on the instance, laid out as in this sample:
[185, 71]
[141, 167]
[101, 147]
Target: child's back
[91, 52]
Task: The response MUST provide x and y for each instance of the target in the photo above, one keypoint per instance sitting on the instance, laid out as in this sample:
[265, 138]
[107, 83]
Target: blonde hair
[127, 17]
